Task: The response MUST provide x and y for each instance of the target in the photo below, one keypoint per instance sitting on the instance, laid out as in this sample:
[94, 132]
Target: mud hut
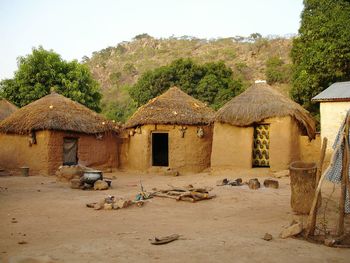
[6, 108]
[171, 131]
[259, 128]
[55, 131]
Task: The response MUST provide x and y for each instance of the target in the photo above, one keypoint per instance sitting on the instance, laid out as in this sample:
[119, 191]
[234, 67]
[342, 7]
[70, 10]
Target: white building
[334, 103]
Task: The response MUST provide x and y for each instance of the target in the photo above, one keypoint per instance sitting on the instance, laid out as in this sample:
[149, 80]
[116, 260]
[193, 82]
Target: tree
[43, 70]
[211, 82]
[277, 71]
[321, 52]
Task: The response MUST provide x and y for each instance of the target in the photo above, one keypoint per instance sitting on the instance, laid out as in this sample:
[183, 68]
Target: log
[345, 175]
[310, 229]
[164, 195]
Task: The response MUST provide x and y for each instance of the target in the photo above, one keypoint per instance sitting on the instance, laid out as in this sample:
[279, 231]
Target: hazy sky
[74, 28]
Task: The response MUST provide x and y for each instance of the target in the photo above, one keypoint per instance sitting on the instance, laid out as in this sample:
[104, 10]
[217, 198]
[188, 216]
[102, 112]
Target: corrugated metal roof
[336, 91]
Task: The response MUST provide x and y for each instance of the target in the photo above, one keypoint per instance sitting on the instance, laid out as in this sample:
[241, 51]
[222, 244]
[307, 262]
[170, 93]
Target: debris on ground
[267, 237]
[101, 185]
[164, 240]
[236, 182]
[254, 184]
[94, 181]
[66, 173]
[294, 229]
[22, 242]
[270, 183]
[188, 193]
[113, 203]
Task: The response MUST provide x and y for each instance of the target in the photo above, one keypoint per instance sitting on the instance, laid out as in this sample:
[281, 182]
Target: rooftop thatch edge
[172, 107]
[6, 108]
[56, 112]
[261, 101]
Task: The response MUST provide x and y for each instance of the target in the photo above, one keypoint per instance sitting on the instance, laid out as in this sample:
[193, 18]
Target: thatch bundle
[172, 107]
[6, 108]
[261, 101]
[55, 112]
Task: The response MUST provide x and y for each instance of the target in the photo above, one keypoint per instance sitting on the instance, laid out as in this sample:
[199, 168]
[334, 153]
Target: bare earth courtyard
[58, 227]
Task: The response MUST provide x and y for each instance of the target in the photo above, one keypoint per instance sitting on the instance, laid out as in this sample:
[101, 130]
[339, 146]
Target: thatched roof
[172, 107]
[6, 108]
[55, 112]
[261, 101]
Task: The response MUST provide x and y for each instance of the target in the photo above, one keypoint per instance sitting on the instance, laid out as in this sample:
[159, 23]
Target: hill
[116, 68]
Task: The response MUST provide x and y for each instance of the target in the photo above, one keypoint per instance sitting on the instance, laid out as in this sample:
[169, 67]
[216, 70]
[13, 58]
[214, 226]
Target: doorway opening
[70, 151]
[160, 149]
[261, 146]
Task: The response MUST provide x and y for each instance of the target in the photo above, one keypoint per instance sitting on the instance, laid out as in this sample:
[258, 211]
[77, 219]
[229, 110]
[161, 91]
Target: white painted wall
[332, 116]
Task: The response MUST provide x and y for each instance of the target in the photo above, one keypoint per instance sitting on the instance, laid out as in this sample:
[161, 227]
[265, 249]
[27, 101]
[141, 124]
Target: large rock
[271, 183]
[254, 184]
[292, 230]
[100, 185]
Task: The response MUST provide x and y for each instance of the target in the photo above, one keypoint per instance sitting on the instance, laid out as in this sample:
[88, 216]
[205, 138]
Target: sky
[76, 28]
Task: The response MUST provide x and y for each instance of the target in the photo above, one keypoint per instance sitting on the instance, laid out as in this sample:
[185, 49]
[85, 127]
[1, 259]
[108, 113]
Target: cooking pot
[90, 177]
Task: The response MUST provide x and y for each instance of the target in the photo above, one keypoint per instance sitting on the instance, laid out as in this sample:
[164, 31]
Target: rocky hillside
[117, 67]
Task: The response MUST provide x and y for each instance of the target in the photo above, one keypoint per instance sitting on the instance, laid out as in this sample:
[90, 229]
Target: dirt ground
[58, 227]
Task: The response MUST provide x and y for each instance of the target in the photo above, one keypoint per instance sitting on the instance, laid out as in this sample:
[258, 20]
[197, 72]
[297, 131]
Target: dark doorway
[70, 151]
[261, 147]
[160, 149]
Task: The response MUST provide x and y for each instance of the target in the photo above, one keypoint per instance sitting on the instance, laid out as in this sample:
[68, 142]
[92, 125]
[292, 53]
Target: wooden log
[164, 195]
[345, 175]
[310, 229]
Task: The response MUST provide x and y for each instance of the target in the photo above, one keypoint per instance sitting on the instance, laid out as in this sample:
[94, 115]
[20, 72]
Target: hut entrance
[261, 146]
[70, 151]
[160, 149]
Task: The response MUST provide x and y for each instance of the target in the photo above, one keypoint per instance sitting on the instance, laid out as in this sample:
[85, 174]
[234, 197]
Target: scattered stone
[269, 183]
[14, 220]
[267, 237]
[100, 185]
[22, 242]
[98, 206]
[124, 203]
[222, 182]
[86, 186]
[75, 183]
[292, 230]
[107, 206]
[91, 205]
[254, 184]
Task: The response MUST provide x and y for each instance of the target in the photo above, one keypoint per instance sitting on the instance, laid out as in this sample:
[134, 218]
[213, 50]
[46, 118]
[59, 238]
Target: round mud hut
[259, 128]
[172, 131]
[6, 108]
[55, 131]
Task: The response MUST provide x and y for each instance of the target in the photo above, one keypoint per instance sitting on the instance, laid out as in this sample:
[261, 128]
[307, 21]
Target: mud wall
[310, 150]
[99, 153]
[187, 154]
[232, 147]
[15, 152]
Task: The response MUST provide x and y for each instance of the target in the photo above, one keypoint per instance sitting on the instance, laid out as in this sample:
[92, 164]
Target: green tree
[210, 82]
[43, 70]
[321, 52]
[277, 71]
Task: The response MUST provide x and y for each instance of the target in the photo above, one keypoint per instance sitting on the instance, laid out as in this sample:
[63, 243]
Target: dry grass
[172, 107]
[6, 108]
[260, 102]
[56, 112]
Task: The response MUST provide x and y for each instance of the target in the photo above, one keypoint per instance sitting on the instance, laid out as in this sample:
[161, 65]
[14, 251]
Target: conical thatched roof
[55, 112]
[6, 108]
[260, 102]
[172, 107]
